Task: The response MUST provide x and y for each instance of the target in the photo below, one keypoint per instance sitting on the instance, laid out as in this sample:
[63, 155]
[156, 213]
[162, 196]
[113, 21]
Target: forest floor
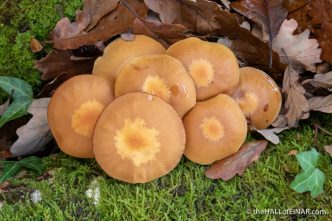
[76, 189]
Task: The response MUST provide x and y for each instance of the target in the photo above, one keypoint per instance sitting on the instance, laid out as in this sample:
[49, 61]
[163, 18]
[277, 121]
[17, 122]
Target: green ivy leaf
[22, 95]
[16, 109]
[309, 180]
[308, 159]
[11, 168]
[15, 87]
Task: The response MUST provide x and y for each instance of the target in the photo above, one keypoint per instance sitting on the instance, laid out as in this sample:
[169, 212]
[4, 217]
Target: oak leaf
[296, 104]
[322, 80]
[296, 50]
[59, 62]
[271, 134]
[268, 14]
[237, 163]
[33, 136]
[322, 104]
[322, 26]
[117, 21]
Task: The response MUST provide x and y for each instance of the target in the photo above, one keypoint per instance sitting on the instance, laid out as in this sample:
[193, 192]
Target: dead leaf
[207, 18]
[116, 22]
[322, 80]
[328, 149]
[33, 136]
[35, 45]
[165, 33]
[268, 14]
[57, 63]
[271, 134]
[322, 104]
[292, 153]
[169, 11]
[4, 154]
[93, 11]
[226, 3]
[3, 107]
[299, 10]
[127, 36]
[297, 50]
[237, 163]
[322, 26]
[296, 104]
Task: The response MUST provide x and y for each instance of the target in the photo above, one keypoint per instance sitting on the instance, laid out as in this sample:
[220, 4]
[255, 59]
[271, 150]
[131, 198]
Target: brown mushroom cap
[160, 75]
[120, 51]
[215, 129]
[212, 66]
[138, 138]
[73, 112]
[258, 96]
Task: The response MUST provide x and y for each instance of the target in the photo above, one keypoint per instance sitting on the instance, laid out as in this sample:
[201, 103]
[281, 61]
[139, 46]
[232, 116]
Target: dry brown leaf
[237, 163]
[93, 11]
[271, 134]
[4, 106]
[169, 11]
[292, 152]
[165, 33]
[296, 104]
[268, 14]
[322, 104]
[299, 10]
[328, 149]
[296, 50]
[33, 136]
[115, 22]
[322, 80]
[35, 45]
[57, 63]
[321, 14]
[207, 18]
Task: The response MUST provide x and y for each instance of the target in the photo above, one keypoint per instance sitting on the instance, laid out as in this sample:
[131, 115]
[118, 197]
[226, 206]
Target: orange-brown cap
[258, 96]
[120, 51]
[73, 112]
[138, 138]
[215, 129]
[212, 66]
[160, 75]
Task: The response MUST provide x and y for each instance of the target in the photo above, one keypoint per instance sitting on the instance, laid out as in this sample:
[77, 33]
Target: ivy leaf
[309, 180]
[11, 168]
[16, 87]
[22, 95]
[308, 159]
[15, 110]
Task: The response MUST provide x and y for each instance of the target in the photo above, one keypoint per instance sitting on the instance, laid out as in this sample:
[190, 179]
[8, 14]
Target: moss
[21, 20]
[184, 194]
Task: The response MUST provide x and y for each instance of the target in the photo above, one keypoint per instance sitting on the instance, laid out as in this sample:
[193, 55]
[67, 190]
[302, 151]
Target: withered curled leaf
[322, 80]
[296, 104]
[322, 104]
[237, 163]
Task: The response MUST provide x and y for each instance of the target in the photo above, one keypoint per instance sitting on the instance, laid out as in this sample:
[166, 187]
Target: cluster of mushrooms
[144, 107]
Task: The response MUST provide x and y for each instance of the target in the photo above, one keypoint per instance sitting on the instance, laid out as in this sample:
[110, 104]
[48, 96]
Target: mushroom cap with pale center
[160, 75]
[73, 112]
[138, 138]
[215, 129]
[258, 96]
[212, 66]
[120, 51]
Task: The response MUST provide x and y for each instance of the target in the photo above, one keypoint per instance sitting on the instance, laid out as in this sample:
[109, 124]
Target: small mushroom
[258, 96]
[212, 66]
[73, 111]
[120, 51]
[215, 129]
[160, 75]
[138, 138]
